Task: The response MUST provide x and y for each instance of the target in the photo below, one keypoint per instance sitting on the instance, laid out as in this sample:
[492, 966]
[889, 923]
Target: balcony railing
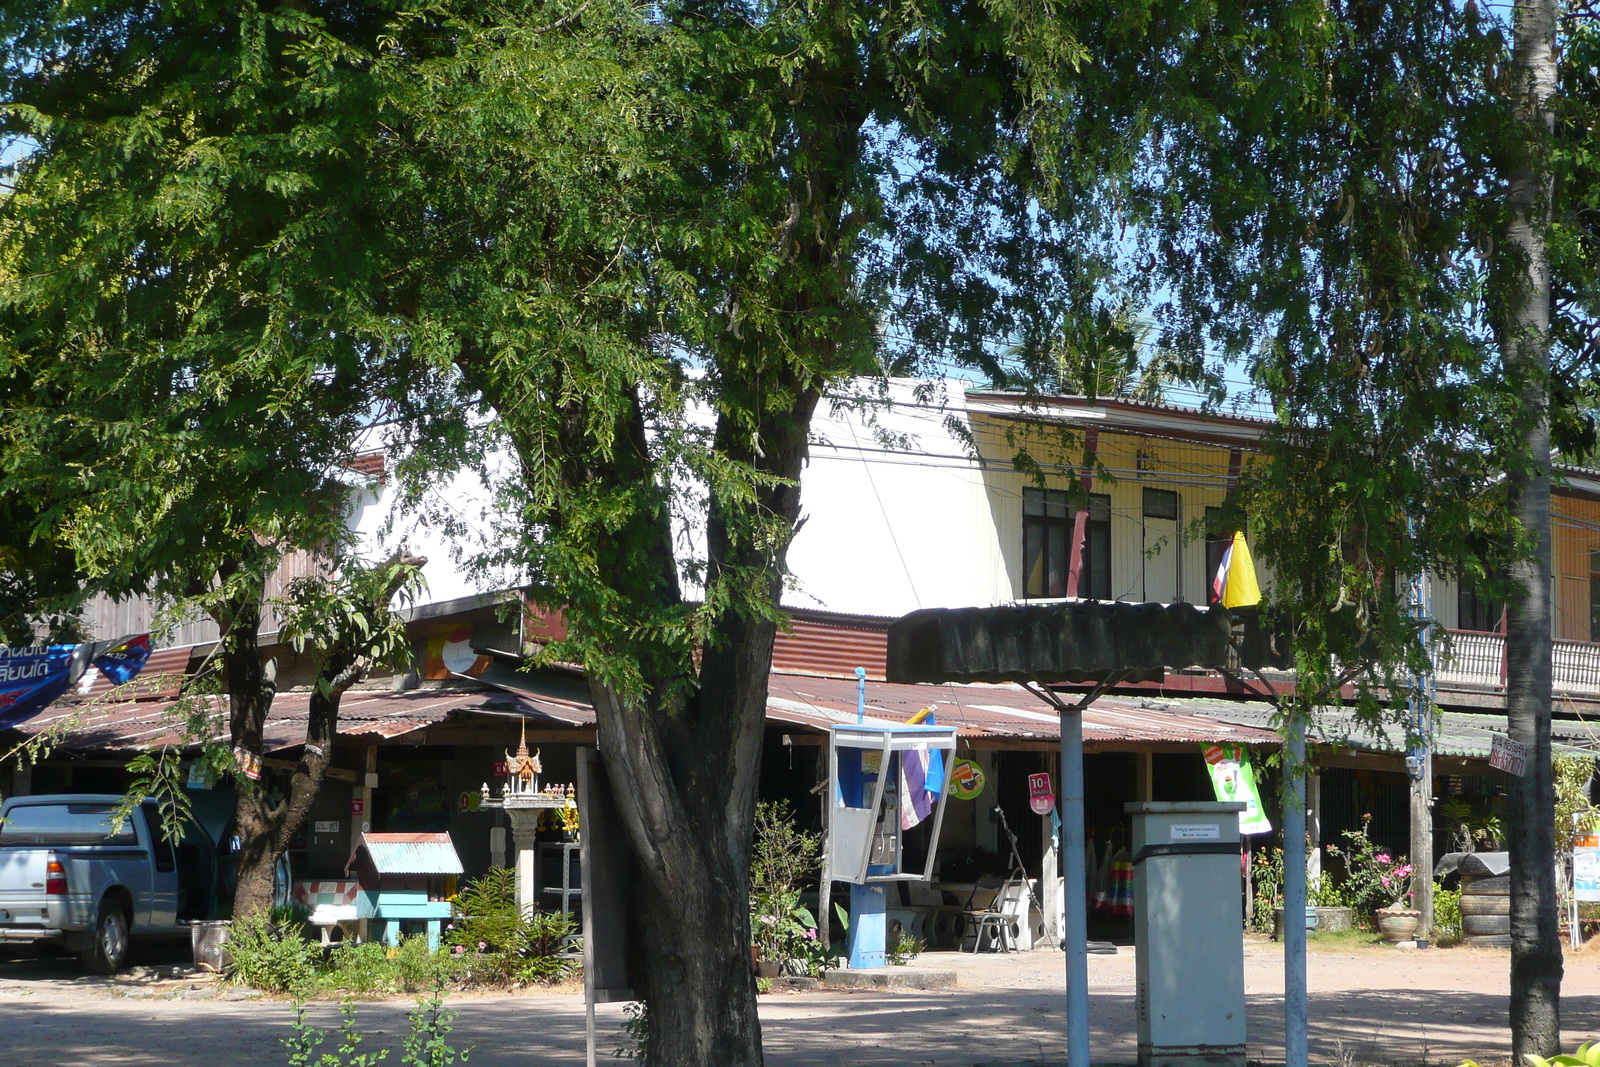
[1479, 660]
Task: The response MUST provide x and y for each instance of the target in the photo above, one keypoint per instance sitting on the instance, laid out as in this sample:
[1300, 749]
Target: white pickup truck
[68, 878]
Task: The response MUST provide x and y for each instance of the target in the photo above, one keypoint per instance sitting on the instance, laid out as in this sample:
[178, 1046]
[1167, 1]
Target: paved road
[1368, 1006]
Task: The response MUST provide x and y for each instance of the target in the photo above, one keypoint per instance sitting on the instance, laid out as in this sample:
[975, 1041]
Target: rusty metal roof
[1005, 713]
[410, 853]
[145, 724]
[818, 643]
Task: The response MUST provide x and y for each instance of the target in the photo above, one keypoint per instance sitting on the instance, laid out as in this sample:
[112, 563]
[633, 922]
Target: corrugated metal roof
[1067, 641]
[1458, 733]
[829, 646]
[147, 724]
[1001, 712]
[411, 853]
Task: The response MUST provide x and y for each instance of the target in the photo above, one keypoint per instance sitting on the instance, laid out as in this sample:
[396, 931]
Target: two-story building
[934, 494]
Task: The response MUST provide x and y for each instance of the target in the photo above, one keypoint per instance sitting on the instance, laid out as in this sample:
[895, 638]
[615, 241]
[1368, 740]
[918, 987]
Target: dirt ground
[1368, 1006]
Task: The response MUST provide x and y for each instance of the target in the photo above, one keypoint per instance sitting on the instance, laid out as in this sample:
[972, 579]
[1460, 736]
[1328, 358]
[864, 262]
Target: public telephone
[886, 777]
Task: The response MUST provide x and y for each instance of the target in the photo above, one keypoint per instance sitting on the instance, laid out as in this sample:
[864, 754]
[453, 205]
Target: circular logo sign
[966, 779]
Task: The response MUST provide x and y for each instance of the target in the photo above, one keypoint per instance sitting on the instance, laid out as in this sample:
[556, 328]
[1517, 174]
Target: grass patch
[1343, 939]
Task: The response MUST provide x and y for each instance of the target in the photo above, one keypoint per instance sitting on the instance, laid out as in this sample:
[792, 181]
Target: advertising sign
[966, 780]
[1586, 867]
[1041, 797]
[122, 662]
[1234, 780]
[1508, 755]
[31, 679]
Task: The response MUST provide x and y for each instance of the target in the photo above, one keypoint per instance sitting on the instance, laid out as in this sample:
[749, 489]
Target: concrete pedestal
[524, 830]
[869, 926]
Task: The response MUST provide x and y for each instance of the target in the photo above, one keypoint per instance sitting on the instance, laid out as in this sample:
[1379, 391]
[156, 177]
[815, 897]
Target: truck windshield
[64, 824]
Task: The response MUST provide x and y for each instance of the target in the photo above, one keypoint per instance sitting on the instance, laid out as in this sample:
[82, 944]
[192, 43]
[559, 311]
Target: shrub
[416, 969]
[493, 943]
[363, 968]
[272, 957]
[1446, 916]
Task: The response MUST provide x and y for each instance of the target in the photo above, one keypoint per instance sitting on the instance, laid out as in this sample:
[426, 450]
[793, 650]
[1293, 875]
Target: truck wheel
[108, 951]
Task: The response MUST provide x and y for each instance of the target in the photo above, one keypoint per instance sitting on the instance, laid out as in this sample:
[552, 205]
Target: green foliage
[428, 1043]
[302, 1047]
[1373, 878]
[272, 956]
[494, 943]
[1266, 875]
[1446, 916]
[782, 856]
[359, 968]
[903, 948]
[784, 862]
[1587, 1055]
[1574, 811]
[635, 1030]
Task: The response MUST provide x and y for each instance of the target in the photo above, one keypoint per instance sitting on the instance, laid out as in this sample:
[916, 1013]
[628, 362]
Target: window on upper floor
[1594, 595]
[1161, 504]
[1047, 523]
[1476, 611]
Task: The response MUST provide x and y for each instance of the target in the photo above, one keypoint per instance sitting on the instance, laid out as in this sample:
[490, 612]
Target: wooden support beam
[338, 773]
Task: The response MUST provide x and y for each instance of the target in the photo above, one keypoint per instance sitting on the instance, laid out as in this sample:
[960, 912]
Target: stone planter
[1331, 920]
[1313, 921]
[1398, 924]
[768, 969]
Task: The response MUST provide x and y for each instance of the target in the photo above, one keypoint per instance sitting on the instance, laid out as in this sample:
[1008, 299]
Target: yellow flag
[1239, 588]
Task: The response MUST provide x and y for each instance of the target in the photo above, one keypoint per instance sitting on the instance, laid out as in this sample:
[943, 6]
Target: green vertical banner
[1233, 779]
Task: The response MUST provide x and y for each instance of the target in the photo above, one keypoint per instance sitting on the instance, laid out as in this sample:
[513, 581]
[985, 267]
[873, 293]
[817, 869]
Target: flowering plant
[1374, 878]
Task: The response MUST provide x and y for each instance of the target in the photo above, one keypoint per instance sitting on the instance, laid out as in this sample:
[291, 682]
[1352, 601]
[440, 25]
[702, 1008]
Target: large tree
[653, 299]
[187, 255]
[636, 243]
[1355, 197]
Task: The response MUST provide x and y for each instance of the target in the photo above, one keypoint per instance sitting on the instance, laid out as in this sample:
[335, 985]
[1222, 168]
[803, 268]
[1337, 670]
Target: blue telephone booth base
[869, 925]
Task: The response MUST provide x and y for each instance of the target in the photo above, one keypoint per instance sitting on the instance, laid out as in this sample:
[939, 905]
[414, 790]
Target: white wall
[893, 526]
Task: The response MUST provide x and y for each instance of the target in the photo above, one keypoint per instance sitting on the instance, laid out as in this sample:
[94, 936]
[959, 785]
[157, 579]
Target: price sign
[1508, 755]
[1041, 797]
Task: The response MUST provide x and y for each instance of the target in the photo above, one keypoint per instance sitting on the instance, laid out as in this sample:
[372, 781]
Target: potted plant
[1376, 884]
[1396, 922]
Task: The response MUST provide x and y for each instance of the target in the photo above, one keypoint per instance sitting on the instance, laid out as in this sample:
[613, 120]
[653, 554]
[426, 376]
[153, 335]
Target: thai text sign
[1508, 755]
[31, 679]
[1041, 797]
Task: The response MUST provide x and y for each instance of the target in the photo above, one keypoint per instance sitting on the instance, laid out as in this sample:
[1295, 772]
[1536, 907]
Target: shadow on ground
[45, 1023]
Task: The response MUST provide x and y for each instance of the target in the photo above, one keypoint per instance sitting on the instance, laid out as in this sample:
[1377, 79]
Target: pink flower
[1382, 857]
[811, 935]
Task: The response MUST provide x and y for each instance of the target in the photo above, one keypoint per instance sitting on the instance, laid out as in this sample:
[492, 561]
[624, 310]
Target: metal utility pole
[1295, 999]
[1419, 759]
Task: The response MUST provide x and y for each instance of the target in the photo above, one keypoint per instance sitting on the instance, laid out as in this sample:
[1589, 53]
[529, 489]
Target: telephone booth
[886, 778]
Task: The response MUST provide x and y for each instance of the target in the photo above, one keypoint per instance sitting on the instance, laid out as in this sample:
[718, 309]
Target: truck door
[162, 908]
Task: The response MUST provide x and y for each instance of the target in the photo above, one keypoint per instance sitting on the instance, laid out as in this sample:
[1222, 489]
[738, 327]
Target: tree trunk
[1536, 965]
[685, 772]
[251, 687]
[271, 829]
